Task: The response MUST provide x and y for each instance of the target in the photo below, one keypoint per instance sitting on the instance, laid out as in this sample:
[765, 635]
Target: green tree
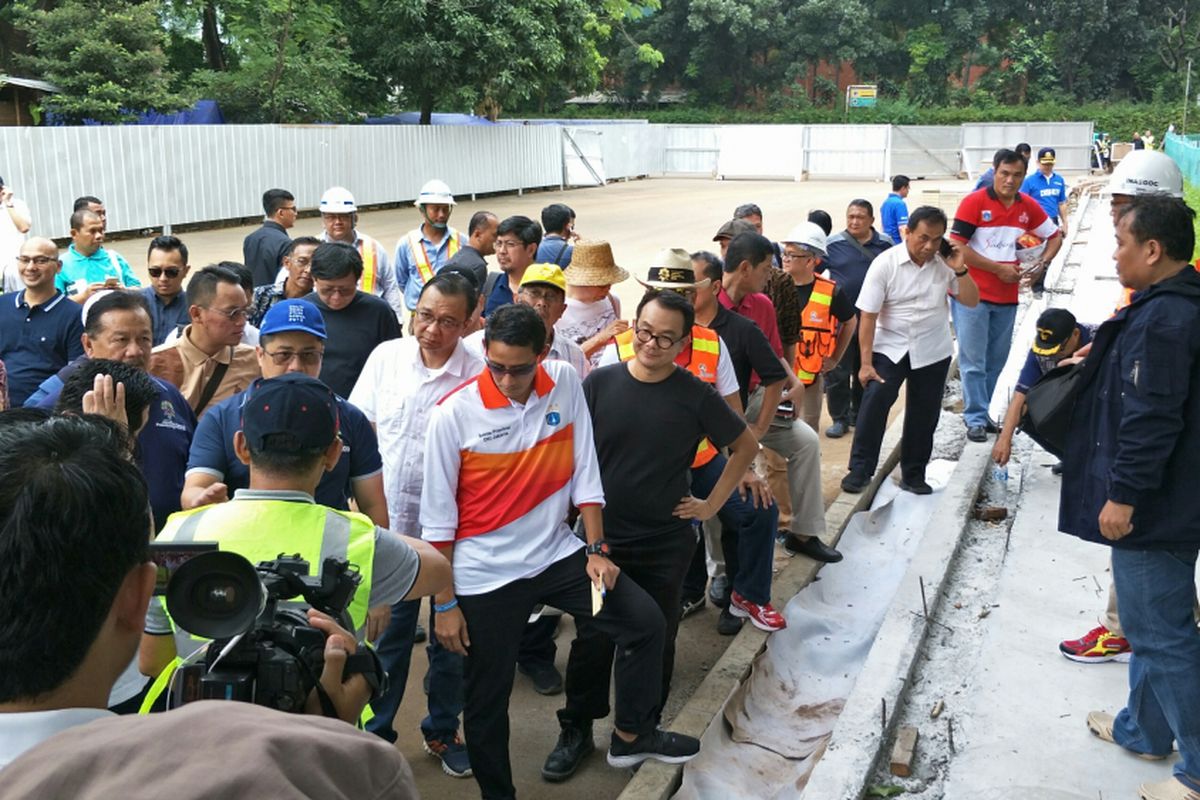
[285, 61]
[107, 58]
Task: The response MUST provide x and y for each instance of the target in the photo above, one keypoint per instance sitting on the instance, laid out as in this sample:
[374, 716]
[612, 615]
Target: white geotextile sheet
[776, 724]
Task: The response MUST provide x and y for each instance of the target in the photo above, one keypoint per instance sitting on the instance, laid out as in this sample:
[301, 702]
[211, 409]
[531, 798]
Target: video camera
[262, 651]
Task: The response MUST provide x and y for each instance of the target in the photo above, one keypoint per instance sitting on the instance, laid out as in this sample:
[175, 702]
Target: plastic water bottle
[1000, 474]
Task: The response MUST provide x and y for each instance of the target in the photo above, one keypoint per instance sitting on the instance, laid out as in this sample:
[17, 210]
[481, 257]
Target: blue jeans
[1156, 590]
[747, 535]
[445, 676]
[984, 338]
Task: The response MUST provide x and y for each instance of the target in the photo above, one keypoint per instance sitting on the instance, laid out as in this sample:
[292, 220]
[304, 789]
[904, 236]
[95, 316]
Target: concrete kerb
[658, 781]
[861, 733]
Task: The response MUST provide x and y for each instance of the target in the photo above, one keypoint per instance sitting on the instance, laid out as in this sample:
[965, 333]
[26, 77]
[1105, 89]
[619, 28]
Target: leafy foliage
[107, 58]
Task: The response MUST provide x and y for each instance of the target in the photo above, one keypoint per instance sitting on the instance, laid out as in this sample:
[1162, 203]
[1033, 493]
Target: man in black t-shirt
[355, 321]
[649, 416]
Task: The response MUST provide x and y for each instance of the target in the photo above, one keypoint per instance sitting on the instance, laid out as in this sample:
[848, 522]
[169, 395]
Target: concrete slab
[1022, 732]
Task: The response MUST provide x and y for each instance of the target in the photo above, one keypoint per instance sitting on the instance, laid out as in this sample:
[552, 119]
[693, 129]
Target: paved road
[638, 218]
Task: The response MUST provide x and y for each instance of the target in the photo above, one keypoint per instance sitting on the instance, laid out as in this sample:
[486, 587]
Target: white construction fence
[156, 176]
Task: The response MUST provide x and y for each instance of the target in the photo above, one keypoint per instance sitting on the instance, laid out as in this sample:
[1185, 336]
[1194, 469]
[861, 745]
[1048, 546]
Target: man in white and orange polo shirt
[506, 454]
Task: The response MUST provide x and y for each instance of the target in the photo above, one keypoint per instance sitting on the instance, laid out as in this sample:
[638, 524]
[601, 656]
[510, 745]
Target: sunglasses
[516, 372]
[156, 272]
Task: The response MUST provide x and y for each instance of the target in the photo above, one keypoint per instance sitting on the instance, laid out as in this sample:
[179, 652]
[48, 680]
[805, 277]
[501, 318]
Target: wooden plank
[904, 751]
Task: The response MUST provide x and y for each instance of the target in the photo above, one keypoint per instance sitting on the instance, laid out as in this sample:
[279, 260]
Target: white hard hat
[435, 192]
[808, 235]
[337, 200]
[1147, 172]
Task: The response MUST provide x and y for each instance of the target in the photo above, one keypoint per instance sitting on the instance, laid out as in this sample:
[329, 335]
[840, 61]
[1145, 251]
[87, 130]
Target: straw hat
[672, 269]
[592, 265]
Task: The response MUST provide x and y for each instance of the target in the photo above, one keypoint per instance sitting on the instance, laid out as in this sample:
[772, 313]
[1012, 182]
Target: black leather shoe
[728, 624]
[854, 484]
[812, 547]
[545, 677]
[916, 486]
[977, 433]
[419, 635]
[574, 745]
[991, 427]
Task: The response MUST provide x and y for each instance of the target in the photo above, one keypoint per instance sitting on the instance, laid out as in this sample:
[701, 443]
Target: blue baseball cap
[293, 315]
[300, 407]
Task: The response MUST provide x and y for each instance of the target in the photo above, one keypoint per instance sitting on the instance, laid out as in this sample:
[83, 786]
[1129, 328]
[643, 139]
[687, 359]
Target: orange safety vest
[701, 362]
[421, 255]
[818, 332]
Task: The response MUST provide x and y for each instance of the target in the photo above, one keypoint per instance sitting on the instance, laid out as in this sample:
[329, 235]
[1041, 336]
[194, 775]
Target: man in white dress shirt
[904, 336]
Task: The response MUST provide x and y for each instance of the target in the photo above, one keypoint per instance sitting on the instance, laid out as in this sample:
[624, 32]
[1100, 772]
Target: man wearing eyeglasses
[517, 240]
[208, 362]
[38, 333]
[400, 385]
[264, 249]
[357, 321]
[297, 282]
[292, 339]
[167, 265]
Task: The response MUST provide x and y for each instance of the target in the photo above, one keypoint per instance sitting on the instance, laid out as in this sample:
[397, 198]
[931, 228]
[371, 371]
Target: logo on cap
[296, 313]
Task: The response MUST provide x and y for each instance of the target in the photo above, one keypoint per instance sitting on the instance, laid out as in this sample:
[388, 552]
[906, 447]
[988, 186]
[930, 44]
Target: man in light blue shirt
[423, 251]
[87, 266]
[894, 210]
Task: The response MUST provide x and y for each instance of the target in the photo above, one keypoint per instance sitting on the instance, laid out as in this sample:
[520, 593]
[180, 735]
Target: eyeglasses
[504, 244]
[157, 272]
[288, 208]
[309, 358]
[232, 314]
[661, 341]
[516, 372]
[445, 323]
[303, 262]
[40, 261]
[797, 256]
[540, 295]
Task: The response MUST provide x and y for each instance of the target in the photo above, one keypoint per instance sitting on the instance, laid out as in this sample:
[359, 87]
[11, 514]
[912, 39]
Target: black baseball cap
[293, 404]
[1054, 328]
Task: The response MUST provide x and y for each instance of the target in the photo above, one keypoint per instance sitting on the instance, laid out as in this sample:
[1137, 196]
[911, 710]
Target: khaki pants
[797, 471]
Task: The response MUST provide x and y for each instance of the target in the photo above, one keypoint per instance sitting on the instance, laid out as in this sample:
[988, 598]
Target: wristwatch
[599, 548]
[958, 274]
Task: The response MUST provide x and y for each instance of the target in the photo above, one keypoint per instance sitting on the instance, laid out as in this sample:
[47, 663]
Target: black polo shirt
[263, 249]
[748, 349]
[353, 332]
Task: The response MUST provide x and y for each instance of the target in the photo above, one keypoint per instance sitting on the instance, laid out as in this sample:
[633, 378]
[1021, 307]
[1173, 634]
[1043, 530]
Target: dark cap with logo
[1046, 155]
[294, 404]
[1054, 328]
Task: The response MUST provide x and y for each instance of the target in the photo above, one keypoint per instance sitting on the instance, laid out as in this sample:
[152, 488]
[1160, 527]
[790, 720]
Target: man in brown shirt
[208, 363]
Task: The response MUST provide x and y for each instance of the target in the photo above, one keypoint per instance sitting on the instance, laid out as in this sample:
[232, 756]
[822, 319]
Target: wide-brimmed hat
[592, 264]
[672, 269]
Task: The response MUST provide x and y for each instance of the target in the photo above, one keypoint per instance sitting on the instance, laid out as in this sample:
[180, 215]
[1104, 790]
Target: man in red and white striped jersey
[988, 223]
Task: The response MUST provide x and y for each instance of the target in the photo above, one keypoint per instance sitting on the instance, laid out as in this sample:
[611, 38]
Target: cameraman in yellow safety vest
[289, 438]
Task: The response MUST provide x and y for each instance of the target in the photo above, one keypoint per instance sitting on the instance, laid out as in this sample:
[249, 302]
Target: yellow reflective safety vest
[701, 361]
[260, 530]
[421, 261]
[818, 332]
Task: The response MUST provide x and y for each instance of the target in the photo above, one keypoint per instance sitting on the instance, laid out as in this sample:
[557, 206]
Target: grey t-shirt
[393, 573]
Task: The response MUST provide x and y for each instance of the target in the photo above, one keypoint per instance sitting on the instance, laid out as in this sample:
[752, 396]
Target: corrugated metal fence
[153, 176]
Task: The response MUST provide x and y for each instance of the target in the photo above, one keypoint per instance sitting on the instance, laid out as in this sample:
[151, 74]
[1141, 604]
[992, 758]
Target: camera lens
[215, 595]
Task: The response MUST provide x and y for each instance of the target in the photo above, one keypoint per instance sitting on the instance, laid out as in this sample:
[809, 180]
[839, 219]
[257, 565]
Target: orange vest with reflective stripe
[703, 361]
[818, 332]
[421, 255]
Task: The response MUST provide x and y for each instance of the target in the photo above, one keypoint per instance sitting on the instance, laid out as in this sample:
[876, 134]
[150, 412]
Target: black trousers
[922, 408]
[495, 621]
[843, 392]
[658, 565]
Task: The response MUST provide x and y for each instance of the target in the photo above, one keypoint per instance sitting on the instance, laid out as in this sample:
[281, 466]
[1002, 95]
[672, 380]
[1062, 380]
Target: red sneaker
[763, 617]
[1096, 646]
